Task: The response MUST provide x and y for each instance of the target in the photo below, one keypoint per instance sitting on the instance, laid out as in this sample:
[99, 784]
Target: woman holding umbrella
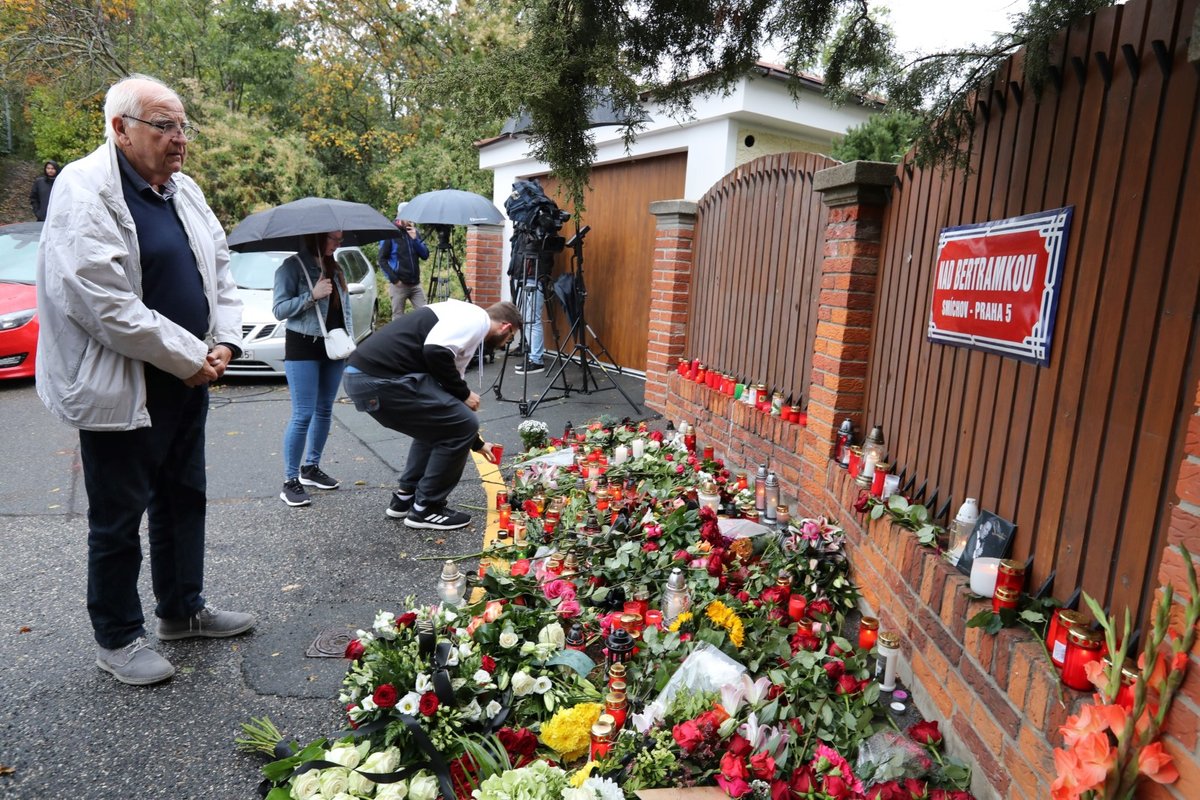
[309, 284]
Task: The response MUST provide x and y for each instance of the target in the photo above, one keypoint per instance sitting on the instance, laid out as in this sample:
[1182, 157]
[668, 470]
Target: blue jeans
[531, 315]
[159, 470]
[313, 386]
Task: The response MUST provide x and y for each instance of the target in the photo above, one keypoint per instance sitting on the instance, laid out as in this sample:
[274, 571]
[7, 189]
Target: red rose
[744, 596]
[385, 695]
[739, 746]
[775, 594]
[915, 787]
[355, 649]
[668, 457]
[834, 650]
[834, 669]
[656, 436]
[406, 620]
[520, 743]
[780, 616]
[802, 781]
[847, 684]
[890, 790]
[803, 641]
[950, 794]
[519, 567]
[488, 663]
[596, 580]
[733, 768]
[819, 608]
[763, 766]
[836, 787]
[649, 547]
[429, 704]
[714, 565]
[862, 503]
[681, 555]
[797, 725]
[925, 732]
[687, 735]
[773, 691]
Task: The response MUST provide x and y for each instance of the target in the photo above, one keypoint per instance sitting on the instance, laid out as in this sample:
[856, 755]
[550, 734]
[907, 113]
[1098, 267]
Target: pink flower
[569, 608]
[679, 469]
[559, 588]
[763, 766]
[735, 787]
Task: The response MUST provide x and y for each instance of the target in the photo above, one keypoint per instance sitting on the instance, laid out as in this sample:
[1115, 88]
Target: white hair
[128, 96]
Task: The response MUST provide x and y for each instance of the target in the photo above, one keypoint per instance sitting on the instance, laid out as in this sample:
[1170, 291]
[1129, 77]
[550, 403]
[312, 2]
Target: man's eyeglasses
[169, 128]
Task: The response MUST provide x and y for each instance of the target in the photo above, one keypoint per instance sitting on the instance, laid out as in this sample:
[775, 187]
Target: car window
[354, 264]
[255, 270]
[18, 257]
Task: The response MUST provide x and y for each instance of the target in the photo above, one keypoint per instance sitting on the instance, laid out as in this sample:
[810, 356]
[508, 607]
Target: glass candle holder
[1011, 575]
[1061, 623]
[855, 460]
[1083, 647]
[505, 515]
[868, 632]
[654, 617]
[501, 498]
[984, 572]
[1005, 597]
[797, 605]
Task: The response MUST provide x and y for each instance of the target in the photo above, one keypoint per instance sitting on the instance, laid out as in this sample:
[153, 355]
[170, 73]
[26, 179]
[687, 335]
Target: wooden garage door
[619, 251]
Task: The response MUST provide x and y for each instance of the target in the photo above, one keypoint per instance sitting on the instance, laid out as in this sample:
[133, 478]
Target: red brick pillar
[856, 194]
[670, 289]
[483, 267]
[1184, 720]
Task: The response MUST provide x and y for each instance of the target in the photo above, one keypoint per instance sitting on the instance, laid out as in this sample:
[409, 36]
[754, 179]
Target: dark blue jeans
[443, 429]
[313, 386]
[159, 470]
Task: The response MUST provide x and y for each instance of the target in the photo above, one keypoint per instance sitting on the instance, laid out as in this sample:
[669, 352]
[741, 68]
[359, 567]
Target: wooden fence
[759, 237]
[1079, 454]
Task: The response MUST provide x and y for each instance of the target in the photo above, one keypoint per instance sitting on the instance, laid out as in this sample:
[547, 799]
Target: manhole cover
[330, 643]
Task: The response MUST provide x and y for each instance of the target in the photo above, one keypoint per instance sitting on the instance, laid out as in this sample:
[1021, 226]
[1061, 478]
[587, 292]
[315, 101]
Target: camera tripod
[445, 262]
[581, 332]
[528, 301]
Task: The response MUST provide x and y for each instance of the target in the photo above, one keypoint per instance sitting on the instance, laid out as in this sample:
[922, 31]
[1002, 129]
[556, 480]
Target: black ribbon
[442, 686]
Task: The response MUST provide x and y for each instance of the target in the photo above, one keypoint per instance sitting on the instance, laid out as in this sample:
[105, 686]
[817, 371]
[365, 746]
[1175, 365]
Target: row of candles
[752, 394]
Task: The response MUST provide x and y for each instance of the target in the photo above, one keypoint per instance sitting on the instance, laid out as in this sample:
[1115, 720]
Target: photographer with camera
[536, 222]
[400, 261]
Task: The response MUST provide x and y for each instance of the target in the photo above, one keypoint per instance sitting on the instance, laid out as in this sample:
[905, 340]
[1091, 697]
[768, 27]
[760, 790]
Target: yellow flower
[582, 774]
[681, 620]
[569, 732]
[725, 617]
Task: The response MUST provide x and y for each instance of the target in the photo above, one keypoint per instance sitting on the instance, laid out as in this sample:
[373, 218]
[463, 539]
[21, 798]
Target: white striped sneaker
[441, 518]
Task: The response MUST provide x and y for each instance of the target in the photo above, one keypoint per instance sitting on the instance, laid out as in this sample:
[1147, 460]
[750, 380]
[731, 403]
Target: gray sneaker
[208, 622]
[136, 663]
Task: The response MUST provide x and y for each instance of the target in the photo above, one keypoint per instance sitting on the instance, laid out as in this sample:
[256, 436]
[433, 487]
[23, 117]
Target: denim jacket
[293, 300]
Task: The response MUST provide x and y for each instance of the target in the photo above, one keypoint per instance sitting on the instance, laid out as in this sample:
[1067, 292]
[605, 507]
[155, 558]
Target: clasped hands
[214, 366]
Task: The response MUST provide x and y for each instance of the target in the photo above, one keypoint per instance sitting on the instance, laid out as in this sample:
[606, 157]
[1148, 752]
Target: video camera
[536, 218]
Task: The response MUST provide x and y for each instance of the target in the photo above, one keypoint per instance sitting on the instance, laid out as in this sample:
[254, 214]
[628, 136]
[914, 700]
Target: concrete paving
[68, 729]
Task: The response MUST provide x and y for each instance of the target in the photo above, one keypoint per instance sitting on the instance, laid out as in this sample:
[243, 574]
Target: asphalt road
[67, 729]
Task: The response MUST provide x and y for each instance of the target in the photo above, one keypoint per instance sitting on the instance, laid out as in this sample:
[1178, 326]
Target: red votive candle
[1083, 647]
[796, 606]
[1010, 575]
[653, 617]
[501, 498]
[868, 632]
[505, 515]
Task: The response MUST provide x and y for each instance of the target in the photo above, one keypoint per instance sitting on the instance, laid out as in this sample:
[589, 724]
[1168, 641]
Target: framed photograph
[991, 538]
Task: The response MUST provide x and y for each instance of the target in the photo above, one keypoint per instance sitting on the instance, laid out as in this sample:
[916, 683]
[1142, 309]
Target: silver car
[262, 333]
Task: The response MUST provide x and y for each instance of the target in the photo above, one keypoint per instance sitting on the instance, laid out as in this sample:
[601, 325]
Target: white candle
[984, 572]
[891, 485]
[620, 454]
[639, 448]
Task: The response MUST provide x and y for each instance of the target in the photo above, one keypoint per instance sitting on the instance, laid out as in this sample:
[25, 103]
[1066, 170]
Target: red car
[18, 298]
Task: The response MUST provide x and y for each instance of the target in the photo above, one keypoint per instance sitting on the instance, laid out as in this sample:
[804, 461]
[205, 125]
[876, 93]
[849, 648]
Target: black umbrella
[452, 207]
[284, 227]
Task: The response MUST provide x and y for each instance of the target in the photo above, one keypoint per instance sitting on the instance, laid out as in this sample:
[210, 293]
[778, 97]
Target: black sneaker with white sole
[312, 475]
[399, 507]
[293, 493]
[529, 368]
[442, 518]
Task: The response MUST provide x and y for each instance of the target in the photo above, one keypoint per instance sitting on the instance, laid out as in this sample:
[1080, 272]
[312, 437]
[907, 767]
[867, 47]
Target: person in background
[39, 194]
[313, 377]
[409, 376]
[133, 280]
[400, 261]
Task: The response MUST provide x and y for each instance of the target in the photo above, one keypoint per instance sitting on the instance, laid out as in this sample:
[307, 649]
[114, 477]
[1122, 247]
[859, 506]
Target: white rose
[553, 634]
[473, 712]
[382, 761]
[423, 786]
[366, 637]
[522, 683]
[409, 704]
[423, 683]
[452, 658]
[360, 785]
[482, 677]
[368, 704]
[385, 625]
[493, 708]
[307, 785]
[392, 791]
[509, 638]
[542, 685]
[345, 755]
[653, 445]
[465, 649]
[527, 648]
[334, 780]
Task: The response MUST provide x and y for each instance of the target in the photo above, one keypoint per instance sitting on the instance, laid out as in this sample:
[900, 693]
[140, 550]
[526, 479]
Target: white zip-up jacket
[95, 331]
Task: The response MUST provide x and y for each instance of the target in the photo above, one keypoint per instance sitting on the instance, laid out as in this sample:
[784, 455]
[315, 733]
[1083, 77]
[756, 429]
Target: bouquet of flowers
[534, 434]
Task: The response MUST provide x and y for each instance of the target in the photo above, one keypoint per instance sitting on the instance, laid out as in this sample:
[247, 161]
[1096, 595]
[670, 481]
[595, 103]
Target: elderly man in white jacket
[138, 315]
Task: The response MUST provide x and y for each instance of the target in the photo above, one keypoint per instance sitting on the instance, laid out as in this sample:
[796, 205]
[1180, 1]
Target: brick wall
[483, 267]
[998, 698]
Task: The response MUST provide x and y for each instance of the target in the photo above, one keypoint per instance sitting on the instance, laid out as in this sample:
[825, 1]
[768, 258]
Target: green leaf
[600, 594]
[981, 620]
[898, 504]
[876, 511]
[927, 535]
[1033, 617]
[279, 793]
[827, 715]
